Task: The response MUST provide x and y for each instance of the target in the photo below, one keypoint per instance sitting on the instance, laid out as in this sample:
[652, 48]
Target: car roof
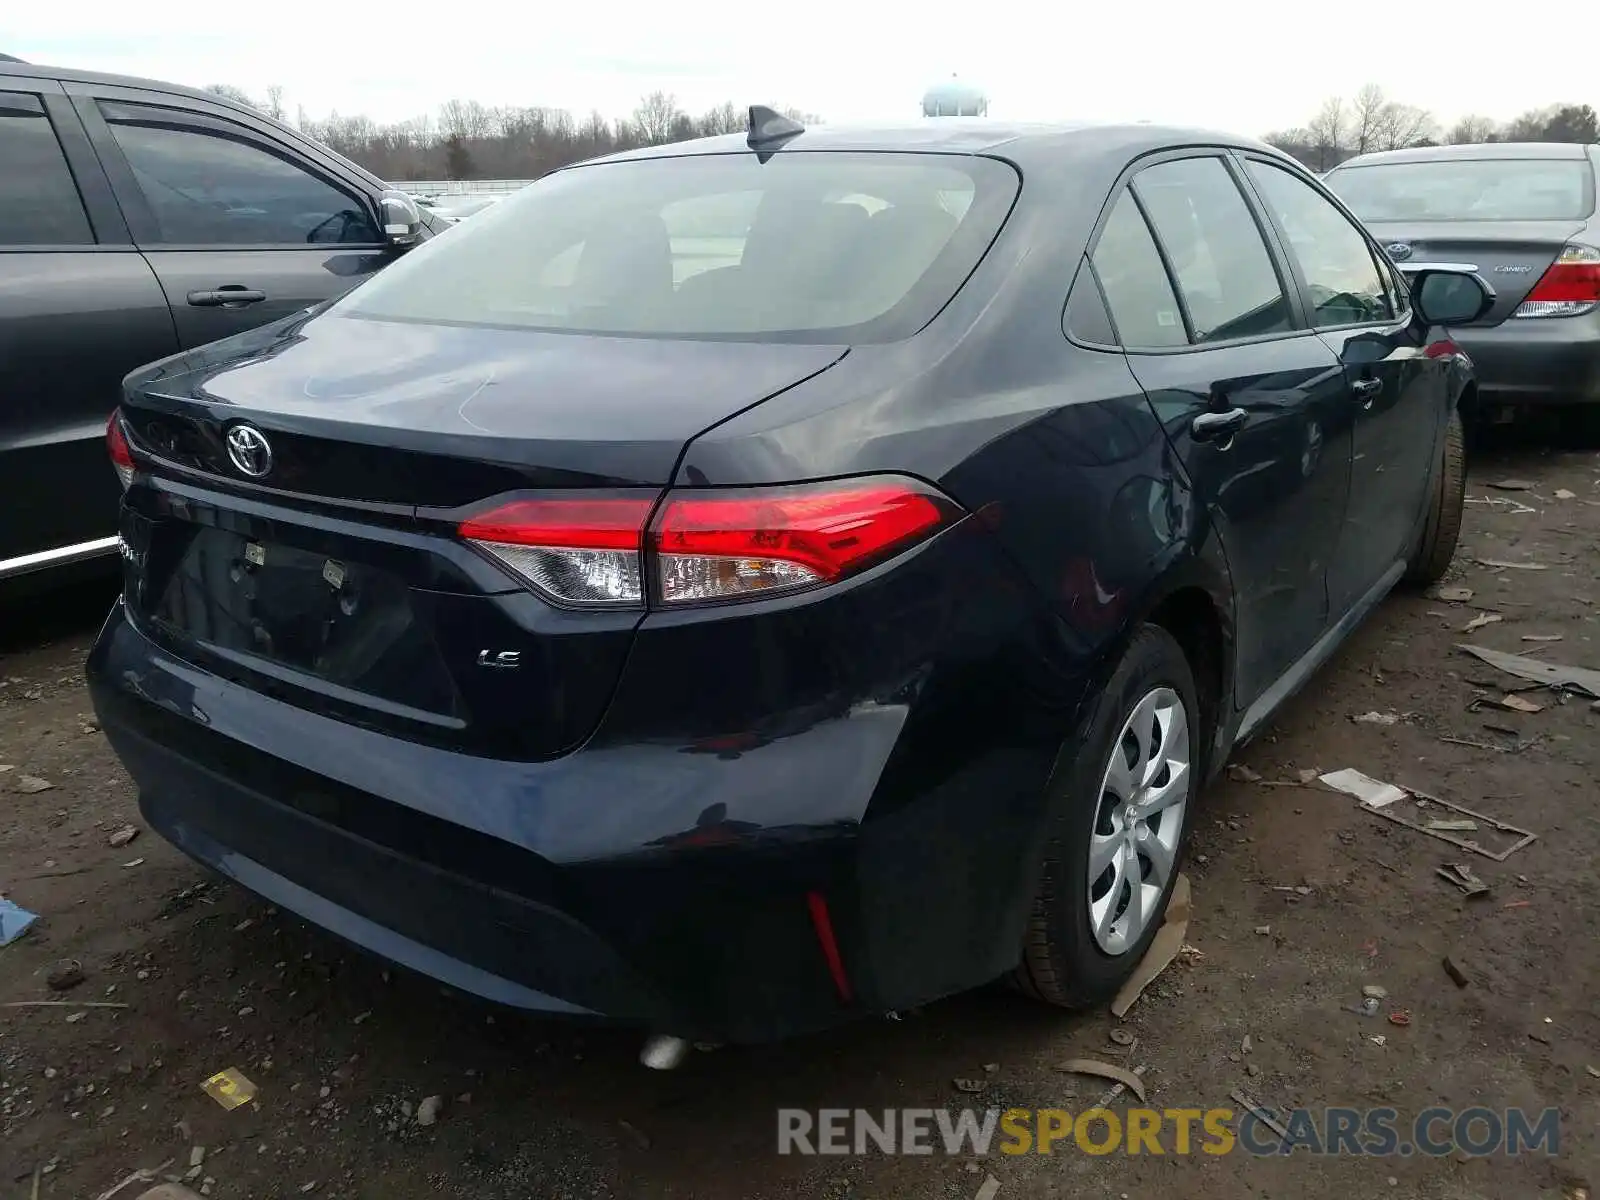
[1018, 141]
[68, 75]
[1476, 150]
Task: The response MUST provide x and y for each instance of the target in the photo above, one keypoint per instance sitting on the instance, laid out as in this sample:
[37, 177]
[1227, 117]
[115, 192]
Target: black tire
[1445, 507]
[1062, 963]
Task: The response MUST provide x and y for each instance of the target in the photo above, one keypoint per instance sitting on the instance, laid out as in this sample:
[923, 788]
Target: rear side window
[39, 202]
[1087, 318]
[1482, 189]
[1135, 283]
[1216, 249]
[207, 187]
[1335, 260]
[807, 246]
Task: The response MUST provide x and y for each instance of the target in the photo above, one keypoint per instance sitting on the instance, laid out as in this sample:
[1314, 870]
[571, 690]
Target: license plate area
[334, 619]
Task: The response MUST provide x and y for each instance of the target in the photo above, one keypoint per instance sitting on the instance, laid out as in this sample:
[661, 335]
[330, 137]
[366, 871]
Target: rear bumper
[642, 879]
[707, 942]
[284, 844]
[1554, 361]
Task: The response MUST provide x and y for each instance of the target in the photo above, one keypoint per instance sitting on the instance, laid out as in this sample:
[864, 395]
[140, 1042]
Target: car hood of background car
[599, 408]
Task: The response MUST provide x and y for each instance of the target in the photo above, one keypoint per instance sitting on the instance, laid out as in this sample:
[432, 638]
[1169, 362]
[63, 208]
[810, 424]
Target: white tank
[954, 98]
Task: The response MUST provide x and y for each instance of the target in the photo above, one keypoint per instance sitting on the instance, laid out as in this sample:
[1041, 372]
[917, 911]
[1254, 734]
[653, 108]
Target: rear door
[241, 226]
[79, 308]
[1398, 394]
[1254, 403]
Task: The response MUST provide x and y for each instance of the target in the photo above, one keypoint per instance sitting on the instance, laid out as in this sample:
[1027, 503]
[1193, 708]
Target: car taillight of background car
[1569, 288]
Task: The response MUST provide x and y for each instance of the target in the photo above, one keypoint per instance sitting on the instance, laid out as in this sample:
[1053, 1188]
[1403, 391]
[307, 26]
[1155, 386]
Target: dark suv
[137, 220]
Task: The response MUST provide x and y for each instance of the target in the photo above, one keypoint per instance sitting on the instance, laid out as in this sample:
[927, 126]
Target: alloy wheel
[1133, 849]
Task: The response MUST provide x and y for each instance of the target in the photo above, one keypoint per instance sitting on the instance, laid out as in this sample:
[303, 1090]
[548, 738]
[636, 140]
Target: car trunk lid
[335, 580]
[1511, 255]
[369, 412]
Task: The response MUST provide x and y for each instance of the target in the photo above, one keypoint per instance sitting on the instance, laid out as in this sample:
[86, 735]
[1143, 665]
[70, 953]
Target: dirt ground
[1300, 899]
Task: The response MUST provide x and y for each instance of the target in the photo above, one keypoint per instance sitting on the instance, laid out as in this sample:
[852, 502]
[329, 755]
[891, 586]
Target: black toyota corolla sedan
[733, 587]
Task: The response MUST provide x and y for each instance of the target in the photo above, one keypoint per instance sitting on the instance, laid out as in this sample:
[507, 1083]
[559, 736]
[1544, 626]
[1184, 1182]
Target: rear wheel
[1118, 828]
[1445, 507]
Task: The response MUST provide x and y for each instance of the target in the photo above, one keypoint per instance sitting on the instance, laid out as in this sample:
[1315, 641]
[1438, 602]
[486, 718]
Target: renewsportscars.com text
[1370, 1132]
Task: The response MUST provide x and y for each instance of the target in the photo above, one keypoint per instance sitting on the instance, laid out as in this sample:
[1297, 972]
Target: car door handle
[1218, 426]
[227, 296]
[1366, 389]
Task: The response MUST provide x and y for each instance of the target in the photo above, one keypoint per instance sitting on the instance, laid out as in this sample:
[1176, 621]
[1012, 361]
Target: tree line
[469, 140]
[1343, 128]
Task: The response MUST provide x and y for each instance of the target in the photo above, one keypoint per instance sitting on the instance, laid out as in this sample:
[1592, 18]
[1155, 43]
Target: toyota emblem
[1399, 251]
[250, 451]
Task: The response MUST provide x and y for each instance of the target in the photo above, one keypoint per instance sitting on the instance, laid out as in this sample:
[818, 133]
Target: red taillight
[708, 545]
[597, 524]
[579, 551]
[712, 547]
[117, 448]
[1570, 288]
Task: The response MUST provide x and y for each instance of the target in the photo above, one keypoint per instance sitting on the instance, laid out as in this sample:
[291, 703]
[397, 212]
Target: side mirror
[402, 219]
[1448, 293]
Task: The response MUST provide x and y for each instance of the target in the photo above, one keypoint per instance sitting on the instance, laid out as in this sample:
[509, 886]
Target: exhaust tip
[664, 1053]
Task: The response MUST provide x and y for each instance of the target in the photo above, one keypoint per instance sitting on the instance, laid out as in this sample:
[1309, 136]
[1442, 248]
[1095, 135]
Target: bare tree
[595, 136]
[1295, 142]
[1367, 118]
[1374, 122]
[725, 118]
[1472, 130]
[228, 92]
[275, 108]
[466, 140]
[1402, 125]
[453, 118]
[466, 119]
[684, 127]
[457, 158]
[1328, 134]
[1529, 127]
[656, 117]
[482, 122]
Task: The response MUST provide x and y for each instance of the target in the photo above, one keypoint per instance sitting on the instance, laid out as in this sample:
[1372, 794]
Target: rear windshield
[1478, 189]
[805, 247]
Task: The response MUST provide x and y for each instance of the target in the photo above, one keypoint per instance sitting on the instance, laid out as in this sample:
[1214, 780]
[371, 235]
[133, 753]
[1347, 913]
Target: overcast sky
[1242, 65]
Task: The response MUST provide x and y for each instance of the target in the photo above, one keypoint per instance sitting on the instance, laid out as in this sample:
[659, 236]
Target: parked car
[1524, 215]
[461, 207]
[739, 651]
[139, 219]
